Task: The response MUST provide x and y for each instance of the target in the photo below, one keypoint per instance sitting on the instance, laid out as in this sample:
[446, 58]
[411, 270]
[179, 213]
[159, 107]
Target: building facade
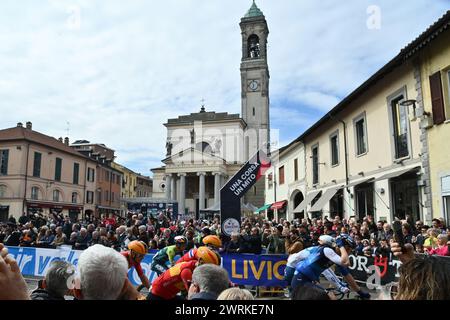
[432, 72]
[285, 183]
[39, 173]
[206, 148]
[380, 150]
[108, 180]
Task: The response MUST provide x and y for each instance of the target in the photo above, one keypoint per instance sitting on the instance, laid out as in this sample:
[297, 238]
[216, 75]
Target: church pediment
[193, 156]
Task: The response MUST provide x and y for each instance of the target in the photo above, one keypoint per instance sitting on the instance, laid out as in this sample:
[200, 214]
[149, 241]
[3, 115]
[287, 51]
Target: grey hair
[57, 276]
[236, 294]
[211, 278]
[103, 272]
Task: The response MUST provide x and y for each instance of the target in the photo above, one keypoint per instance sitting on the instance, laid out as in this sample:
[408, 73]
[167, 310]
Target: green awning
[264, 207]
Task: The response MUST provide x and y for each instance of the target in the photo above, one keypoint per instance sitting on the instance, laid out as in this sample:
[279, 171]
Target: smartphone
[398, 233]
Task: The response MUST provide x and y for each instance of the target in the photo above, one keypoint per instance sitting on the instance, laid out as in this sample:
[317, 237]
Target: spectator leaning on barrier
[208, 281]
[57, 282]
[234, 244]
[251, 243]
[276, 242]
[293, 242]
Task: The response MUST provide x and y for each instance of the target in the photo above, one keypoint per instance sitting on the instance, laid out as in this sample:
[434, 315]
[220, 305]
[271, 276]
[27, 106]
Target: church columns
[217, 185]
[201, 193]
[182, 200]
[173, 192]
[168, 186]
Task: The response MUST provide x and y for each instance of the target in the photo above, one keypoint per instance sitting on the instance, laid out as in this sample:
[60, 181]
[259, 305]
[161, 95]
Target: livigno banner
[232, 192]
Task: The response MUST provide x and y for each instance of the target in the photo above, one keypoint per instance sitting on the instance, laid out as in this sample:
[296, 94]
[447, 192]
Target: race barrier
[243, 269]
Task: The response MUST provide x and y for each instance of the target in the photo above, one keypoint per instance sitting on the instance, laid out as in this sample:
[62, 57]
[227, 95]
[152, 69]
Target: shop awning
[324, 199]
[214, 208]
[355, 183]
[309, 197]
[249, 207]
[397, 173]
[264, 207]
[278, 205]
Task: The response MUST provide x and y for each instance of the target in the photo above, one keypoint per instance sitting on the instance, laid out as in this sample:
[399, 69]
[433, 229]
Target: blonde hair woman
[235, 294]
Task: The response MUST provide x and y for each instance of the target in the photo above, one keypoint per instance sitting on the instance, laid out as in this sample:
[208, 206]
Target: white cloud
[131, 65]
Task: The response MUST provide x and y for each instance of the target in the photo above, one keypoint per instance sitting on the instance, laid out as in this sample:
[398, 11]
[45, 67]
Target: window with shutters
[4, 154]
[447, 94]
[76, 173]
[35, 193]
[334, 144]
[295, 169]
[315, 164]
[437, 99]
[281, 175]
[37, 164]
[58, 165]
[360, 127]
[398, 114]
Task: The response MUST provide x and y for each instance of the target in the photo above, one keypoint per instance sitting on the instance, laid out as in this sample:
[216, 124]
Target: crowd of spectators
[258, 235]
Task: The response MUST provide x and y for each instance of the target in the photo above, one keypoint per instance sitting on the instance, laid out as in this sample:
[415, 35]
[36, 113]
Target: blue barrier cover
[243, 269]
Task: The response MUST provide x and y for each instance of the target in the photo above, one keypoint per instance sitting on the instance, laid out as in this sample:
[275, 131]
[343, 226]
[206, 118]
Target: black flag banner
[232, 192]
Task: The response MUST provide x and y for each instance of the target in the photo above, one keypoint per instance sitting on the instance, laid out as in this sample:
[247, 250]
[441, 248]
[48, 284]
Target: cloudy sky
[116, 70]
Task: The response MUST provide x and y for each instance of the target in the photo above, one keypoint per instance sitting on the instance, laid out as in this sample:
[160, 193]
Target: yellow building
[129, 183]
[377, 152]
[433, 108]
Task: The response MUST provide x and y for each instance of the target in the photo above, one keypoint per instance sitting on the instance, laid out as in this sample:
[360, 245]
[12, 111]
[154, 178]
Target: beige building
[108, 180]
[285, 182]
[41, 173]
[369, 154]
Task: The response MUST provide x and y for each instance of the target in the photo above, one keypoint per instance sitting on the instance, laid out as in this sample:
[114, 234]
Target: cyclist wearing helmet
[136, 252]
[318, 259]
[212, 242]
[167, 254]
[349, 244]
[178, 278]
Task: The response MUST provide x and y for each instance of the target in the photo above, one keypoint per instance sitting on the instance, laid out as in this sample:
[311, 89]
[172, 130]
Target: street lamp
[412, 102]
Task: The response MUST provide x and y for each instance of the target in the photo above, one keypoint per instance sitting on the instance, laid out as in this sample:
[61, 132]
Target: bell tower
[255, 81]
[255, 93]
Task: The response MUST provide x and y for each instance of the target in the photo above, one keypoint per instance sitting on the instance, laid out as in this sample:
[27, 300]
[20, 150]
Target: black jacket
[42, 294]
[251, 244]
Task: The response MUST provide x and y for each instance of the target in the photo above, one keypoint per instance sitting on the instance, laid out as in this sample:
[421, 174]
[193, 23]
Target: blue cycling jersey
[313, 266]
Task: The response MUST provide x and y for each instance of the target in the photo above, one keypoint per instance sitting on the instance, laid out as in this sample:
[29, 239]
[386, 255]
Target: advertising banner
[256, 270]
[243, 269]
[232, 192]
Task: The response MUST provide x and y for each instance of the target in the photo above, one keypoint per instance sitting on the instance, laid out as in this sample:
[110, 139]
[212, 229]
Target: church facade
[206, 148]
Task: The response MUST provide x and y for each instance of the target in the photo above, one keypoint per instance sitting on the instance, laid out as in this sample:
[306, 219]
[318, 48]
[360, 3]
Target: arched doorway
[297, 198]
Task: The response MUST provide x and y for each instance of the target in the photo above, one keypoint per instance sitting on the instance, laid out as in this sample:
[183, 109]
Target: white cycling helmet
[327, 240]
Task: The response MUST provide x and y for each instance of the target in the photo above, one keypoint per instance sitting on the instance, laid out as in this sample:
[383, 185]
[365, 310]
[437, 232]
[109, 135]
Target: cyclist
[349, 244]
[317, 259]
[134, 255]
[178, 278]
[212, 242]
[167, 254]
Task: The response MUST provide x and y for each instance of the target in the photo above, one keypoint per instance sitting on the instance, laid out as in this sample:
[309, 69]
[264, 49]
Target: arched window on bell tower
[254, 51]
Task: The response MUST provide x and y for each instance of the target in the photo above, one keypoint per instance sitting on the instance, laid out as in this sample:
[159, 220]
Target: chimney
[66, 141]
[19, 124]
[29, 125]
[60, 139]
